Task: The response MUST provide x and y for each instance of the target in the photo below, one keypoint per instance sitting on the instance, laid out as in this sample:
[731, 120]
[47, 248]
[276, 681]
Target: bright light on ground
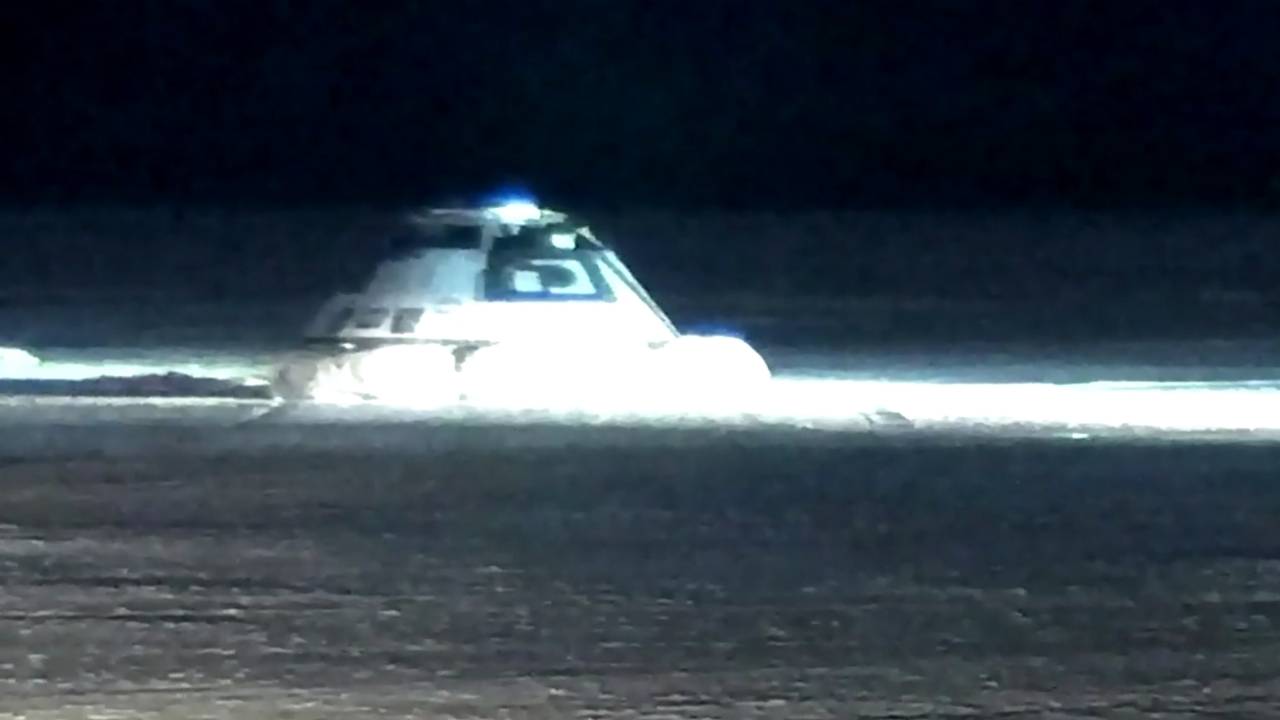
[835, 403]
[76, 365]
[1110, 405]
[829, 402]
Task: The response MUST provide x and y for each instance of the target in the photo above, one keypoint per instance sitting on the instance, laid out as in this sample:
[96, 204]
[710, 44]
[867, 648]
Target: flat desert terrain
[427, 570]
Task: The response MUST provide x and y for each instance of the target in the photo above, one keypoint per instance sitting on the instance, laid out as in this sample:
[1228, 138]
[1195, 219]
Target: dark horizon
[717, 105]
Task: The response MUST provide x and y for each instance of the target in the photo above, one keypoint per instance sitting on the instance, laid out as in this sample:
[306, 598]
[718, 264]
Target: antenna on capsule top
[508, 193]
[512, 205]
[508, 206]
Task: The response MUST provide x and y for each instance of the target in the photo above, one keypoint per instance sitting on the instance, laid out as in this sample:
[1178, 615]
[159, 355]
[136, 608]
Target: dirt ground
[730, 575]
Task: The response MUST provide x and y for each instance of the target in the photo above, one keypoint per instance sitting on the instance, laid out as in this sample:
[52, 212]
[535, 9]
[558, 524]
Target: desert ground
[450, 571]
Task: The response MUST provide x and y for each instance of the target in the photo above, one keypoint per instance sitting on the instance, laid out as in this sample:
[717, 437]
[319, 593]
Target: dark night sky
[613, 102]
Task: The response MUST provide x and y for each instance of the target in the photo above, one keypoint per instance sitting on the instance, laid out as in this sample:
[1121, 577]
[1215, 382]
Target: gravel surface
[727, 575]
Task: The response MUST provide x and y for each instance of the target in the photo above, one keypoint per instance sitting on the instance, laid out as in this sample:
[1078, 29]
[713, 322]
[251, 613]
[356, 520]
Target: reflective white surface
[830, 390]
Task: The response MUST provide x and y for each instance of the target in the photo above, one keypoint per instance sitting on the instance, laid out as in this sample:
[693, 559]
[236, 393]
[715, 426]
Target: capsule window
[405, 320]
[541, 276]
[338, 320]
[371, 318]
